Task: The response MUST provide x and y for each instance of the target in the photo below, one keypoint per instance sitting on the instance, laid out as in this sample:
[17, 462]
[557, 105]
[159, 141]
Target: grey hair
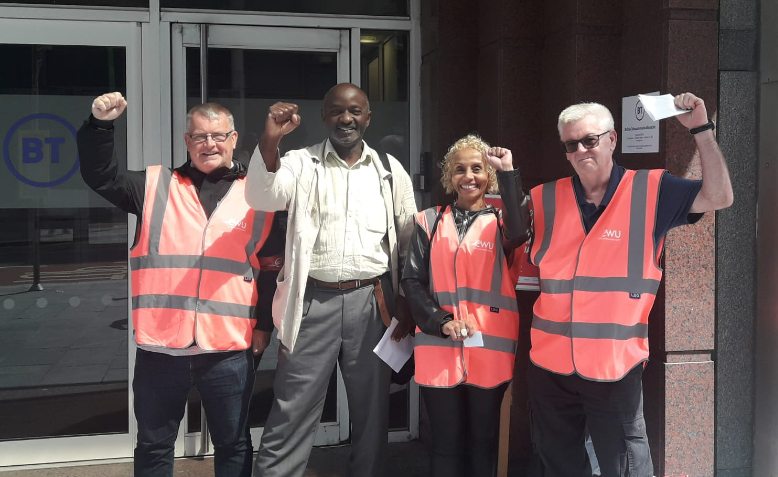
[211, 111]
[579, 111]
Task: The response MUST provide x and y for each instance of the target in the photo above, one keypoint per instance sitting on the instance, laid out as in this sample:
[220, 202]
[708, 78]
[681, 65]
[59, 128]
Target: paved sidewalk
[407, 459]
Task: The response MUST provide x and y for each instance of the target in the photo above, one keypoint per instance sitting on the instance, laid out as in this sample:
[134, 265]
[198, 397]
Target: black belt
[343, 284]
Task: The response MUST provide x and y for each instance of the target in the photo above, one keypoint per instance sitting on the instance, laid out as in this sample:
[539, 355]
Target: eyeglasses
[217, 137]
[589, 142]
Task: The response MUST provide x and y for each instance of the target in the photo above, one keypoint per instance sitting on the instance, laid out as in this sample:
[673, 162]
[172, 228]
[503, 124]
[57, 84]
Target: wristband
[704, 127]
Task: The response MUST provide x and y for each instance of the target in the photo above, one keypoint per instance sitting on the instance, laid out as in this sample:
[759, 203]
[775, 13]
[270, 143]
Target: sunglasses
[589, 142]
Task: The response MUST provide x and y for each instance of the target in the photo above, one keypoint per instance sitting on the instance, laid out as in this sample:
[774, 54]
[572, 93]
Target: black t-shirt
[676, 196]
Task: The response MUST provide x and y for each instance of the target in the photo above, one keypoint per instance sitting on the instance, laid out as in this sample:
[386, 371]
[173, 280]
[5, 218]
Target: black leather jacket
[516, 230]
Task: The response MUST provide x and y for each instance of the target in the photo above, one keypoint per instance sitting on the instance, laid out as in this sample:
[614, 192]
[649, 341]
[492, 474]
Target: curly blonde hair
[471, 141]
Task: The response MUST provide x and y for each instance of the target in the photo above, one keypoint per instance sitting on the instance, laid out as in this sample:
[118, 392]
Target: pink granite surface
[689, 420]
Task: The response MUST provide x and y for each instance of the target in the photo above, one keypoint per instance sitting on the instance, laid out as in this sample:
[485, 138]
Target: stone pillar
[679, 383]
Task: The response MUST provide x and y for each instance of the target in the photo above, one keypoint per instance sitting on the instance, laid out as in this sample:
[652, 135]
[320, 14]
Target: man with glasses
[203, 277]
[598, 240]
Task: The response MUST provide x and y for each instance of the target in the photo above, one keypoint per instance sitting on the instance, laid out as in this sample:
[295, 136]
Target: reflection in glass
[384, 72]
[239, 80]
[63, 251]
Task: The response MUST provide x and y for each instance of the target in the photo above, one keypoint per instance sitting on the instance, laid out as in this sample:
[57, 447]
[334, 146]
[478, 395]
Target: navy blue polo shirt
[676, 196]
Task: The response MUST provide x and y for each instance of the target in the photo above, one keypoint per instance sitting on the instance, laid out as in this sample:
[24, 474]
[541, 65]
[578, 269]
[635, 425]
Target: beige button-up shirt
[350, 243]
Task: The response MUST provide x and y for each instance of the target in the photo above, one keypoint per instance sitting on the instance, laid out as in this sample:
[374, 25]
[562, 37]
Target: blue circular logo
[39, 146]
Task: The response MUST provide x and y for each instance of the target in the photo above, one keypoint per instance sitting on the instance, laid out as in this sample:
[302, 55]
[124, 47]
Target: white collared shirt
[351, 241]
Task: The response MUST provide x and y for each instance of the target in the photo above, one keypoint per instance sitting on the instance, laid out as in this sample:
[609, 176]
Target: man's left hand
[697, 116]
[259, 341]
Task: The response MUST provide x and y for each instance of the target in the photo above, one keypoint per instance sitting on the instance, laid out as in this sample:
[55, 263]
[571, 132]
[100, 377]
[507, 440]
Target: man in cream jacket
[348, 226]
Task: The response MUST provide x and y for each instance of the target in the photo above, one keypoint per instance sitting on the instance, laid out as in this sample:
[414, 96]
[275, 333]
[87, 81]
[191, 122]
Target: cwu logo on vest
[483, 245]
[611, 234]
[235, 223]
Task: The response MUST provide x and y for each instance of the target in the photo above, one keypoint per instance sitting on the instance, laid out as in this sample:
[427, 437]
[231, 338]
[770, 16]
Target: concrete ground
[407, 459]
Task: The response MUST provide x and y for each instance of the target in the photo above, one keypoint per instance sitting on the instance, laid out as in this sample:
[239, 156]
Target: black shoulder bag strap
[388, 168]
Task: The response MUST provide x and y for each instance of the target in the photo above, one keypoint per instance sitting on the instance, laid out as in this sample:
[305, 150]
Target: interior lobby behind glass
[63, 251]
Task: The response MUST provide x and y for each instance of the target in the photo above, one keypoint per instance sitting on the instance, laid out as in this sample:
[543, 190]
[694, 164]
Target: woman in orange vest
[460, 290]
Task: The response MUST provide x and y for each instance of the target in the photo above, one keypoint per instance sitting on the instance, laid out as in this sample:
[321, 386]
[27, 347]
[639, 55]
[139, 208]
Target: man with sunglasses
[598, 238]
[204, 266]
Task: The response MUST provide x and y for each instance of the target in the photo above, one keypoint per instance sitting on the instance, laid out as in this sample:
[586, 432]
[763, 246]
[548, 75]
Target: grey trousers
[341, 327]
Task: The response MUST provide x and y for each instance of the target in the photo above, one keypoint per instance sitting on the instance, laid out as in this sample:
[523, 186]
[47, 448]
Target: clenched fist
[109, 106]
[282, 118]
[500, 158]
[697, 115]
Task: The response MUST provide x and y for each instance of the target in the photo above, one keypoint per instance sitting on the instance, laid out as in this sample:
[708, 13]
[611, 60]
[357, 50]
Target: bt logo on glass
[39, 150]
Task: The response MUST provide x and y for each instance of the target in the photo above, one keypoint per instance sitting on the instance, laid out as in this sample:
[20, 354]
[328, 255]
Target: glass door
[64, 339]
[247, 69]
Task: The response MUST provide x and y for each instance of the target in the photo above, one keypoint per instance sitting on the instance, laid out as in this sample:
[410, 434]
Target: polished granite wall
[506, 68]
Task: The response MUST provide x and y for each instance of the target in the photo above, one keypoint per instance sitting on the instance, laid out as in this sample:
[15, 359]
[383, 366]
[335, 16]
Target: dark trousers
[465, 425]
[161, 385]
[563, 407]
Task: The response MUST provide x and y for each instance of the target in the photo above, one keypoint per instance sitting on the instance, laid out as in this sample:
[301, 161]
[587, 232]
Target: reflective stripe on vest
[194, 278]
[469, 279]
[597, 289]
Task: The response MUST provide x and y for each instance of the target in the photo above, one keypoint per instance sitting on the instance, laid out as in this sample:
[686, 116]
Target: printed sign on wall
[639, 134]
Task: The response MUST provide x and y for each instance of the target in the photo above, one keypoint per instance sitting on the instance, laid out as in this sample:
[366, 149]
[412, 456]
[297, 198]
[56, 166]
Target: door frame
[127, 34]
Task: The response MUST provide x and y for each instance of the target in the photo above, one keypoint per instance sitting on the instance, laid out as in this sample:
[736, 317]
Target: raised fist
[108, 106]
[282, 118]
[500, 158]
[697, 115]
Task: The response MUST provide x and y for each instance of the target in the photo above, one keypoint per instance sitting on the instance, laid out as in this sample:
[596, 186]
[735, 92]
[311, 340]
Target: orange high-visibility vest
[596, 289]
[469, 279]
[193, 277]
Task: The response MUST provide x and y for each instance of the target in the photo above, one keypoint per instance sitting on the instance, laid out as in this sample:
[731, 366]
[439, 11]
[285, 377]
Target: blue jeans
[161, 385]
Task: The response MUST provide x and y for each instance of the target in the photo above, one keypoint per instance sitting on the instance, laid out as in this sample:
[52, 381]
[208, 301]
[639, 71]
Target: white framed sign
[639, 134]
